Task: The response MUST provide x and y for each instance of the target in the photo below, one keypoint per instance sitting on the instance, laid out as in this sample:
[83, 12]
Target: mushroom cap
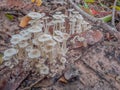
[16, 39]
[44, 70]
[10, 52]
[58, 12]
[58, 33]
[28, 48]
[75, 12]
[70, 10]
[73, 20]
[34, 15]
[66, 36]
[42, 14]
[23, 44]
[44, 37]
[57, 16]
[64, 16]
[58, 38]
[34, 53]
[63, 60]
[35, 41]
[25, 34]
[50, 45]
[51, 42]
[35, 29]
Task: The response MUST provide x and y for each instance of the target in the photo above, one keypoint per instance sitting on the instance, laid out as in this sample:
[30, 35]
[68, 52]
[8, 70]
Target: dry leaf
[63, 80]
[24, 21]
[92, 36]
[32, 1]
[38, 2]
[1, 60]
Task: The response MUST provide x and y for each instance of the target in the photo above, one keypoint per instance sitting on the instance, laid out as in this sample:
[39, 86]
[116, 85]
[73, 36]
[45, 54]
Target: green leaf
[1, 60]
[9, 16]
[86, 5]
[89, 1]
[107, 18]
[116, 7]
[118, 3]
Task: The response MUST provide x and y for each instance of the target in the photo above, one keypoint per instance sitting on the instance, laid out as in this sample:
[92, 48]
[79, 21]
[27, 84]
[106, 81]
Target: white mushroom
[10, 52]
[34, 53]
[45, 24]
[63, 60]
[23, 44]
[34, 15]
[44, 37]
[16, 39]
[35, 28]
[44, 70]
[28, 48]
[70, 12]
[58, 33]
[72, 29]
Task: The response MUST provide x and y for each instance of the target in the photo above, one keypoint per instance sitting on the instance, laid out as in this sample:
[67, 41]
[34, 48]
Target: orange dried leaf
[63, 80]
[24, 21]
[32, 1]
[38, 2]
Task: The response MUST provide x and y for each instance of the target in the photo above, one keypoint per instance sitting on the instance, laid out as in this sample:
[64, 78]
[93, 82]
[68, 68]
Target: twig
[113, 13]
[97, 21]
[29, 87]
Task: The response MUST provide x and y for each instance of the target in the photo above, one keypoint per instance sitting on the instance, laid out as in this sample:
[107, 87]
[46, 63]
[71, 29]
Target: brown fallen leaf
[1, 60]
[92, 36]
[63, 80]
[24, 21]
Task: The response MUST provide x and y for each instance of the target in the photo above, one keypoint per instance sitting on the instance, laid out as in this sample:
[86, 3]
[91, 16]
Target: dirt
[97, 65]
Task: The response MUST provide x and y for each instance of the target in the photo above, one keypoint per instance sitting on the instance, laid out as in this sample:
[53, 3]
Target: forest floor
[93, 67]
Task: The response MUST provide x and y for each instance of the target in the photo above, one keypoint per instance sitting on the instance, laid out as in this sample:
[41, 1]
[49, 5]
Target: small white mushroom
[16, 39]
[44, 70]
[10, 52]
[63, 60]
[73, 22]
[25, 35]
[45, 24]
[35, 28]
[70, 12]
[34, 53]
[34, 15]
[44, 37]
[23, 44]
[28, 48]
[58, 33]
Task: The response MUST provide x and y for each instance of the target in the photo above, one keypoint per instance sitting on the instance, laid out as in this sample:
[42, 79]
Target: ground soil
[98, 65]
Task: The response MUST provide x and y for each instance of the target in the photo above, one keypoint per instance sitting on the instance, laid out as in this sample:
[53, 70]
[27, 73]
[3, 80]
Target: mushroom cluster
[38, 48]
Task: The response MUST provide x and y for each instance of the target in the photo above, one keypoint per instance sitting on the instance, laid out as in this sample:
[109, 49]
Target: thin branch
[113, 13]
[29, 87]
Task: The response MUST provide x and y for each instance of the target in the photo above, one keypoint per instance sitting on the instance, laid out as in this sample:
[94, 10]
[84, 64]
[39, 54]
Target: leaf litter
[96, 64]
